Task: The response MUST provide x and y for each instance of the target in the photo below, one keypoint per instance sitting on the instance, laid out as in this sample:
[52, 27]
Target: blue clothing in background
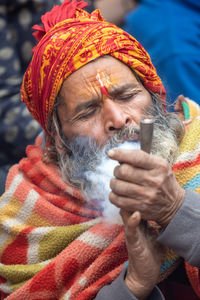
[170, 32]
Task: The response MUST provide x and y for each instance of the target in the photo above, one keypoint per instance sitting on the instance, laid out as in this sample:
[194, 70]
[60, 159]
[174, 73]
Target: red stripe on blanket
[186, 164]
[16, 252]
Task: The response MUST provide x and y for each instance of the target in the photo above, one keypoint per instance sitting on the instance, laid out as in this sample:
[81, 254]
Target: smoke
[86, 166]
[99, 180]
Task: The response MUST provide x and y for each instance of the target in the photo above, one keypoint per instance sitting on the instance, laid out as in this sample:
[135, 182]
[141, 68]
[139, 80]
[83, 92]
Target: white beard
[91, 170]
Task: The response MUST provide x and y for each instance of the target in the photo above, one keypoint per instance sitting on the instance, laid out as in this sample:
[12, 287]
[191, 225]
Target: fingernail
[111, 153]
[136, 214]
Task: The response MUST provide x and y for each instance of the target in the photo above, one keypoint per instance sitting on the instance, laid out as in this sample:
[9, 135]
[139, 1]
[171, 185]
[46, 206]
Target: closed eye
[127, 96]
[86, 114]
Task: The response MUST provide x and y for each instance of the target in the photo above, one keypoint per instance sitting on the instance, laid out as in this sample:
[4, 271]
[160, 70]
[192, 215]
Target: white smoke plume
[100, 183]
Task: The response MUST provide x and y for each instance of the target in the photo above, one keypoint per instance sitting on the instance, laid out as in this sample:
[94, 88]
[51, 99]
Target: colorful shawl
[54, 246]
[69, 39]
[187, 169]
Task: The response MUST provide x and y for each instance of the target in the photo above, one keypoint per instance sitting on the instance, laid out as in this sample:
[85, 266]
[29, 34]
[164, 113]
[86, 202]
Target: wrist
[138, 288]
[177, 204]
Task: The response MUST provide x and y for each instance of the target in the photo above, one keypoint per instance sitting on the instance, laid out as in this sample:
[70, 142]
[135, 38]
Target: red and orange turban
[69, 39]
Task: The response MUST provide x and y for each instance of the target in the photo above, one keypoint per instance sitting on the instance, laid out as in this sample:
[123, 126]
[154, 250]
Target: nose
[115, 117]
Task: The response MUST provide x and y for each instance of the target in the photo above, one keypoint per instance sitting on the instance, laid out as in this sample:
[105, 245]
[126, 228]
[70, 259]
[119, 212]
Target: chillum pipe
[146, 134]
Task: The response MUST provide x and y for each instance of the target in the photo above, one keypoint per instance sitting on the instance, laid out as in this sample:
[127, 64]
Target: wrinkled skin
[142, 182]
[85, 110]
[145, 183]
[142, 248]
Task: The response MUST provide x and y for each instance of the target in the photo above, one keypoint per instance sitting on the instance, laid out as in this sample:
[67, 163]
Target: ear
[177, 126]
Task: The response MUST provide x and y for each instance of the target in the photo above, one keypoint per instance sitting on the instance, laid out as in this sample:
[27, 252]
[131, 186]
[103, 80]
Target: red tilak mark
[103, 88]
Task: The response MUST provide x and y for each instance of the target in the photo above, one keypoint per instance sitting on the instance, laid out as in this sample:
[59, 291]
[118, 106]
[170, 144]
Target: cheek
[92, 128]
[136, 108]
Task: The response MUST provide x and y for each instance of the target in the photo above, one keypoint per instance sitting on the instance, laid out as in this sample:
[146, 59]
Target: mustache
[82, 154]
[84, 164]
[76, 156]
[78, 145]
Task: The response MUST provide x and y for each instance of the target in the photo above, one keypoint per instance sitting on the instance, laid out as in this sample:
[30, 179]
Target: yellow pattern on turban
[69, 39]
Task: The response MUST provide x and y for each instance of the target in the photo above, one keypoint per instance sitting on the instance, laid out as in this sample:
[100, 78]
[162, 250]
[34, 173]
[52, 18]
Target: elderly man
[89, 84]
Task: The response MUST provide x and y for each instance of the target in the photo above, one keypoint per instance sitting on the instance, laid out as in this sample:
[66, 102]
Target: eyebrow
[85, 105]
[114, 91]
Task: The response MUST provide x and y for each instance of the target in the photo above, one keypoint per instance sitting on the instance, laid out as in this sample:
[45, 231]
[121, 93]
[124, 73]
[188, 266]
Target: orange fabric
[69, 39]
[53, 245]
[193, 275]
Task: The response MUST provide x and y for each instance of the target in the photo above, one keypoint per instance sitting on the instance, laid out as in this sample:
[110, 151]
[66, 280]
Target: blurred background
[17, 127]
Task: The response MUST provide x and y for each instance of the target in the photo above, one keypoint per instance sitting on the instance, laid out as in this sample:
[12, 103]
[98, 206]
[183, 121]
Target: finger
[178, 105]
[128, 173]
[137, 158]
[133, 219]
[187, 122]
[129, 189]
[125, 215]
[128, 204]
[139, 237]
[134, 235]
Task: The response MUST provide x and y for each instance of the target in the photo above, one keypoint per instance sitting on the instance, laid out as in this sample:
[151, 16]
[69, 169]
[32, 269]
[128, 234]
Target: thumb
[132, 222]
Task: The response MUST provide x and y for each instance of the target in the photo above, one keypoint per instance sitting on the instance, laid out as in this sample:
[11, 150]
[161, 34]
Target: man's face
[101, 107]
[100, 99]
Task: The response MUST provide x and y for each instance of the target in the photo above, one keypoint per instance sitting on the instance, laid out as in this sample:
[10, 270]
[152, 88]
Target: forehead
[84, 82]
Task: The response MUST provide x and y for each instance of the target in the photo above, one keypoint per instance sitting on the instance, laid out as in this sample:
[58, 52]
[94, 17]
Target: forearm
[183, 234]
[118, 290]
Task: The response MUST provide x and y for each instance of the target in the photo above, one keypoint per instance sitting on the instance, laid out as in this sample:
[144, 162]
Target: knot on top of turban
[69, 39]
[58, 13]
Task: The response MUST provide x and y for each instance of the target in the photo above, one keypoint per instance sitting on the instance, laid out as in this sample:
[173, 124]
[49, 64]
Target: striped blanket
[54, 246]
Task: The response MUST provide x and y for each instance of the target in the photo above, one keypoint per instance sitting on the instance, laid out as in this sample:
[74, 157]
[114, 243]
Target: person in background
[17, 127]
[89, 85]
[170, 31]
[112, 10]
[170, 34]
